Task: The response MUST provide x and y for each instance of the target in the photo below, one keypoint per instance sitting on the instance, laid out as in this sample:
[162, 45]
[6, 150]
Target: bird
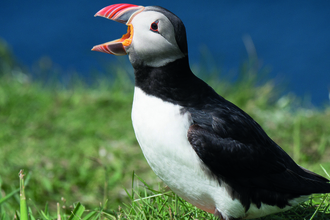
[203, 147]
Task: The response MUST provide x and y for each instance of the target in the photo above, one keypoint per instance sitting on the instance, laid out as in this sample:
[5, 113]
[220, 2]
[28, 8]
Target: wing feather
[252, 165]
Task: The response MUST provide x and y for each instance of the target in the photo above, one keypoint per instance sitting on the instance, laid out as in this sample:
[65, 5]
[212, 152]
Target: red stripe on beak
[114, 11]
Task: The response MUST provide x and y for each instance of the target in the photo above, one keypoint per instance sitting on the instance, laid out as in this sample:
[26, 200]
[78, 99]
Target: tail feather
[315, 175]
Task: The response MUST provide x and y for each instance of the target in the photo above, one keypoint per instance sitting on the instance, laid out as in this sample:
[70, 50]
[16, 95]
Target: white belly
[161, 131]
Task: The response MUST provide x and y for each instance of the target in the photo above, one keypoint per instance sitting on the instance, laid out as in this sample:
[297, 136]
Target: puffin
[203, 147]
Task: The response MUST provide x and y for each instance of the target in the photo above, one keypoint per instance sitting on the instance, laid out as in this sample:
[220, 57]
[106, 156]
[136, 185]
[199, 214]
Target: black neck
[173, 82]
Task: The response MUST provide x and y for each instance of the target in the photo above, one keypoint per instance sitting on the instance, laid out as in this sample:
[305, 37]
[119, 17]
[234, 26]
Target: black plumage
[229, 142]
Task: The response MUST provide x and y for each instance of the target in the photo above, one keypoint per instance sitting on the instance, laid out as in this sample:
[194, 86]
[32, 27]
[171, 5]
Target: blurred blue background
[293, 37]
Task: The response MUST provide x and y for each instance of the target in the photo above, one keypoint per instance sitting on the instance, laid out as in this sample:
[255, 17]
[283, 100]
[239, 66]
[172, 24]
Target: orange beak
[122, 13]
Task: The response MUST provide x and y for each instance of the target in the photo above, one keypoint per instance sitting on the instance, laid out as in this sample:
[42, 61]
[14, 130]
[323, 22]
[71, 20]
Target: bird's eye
[154, 26]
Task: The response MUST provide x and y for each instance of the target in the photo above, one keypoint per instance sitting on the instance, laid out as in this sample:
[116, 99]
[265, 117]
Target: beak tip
[95, 48]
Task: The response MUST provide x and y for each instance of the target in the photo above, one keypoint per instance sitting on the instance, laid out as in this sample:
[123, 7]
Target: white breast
[161, 131]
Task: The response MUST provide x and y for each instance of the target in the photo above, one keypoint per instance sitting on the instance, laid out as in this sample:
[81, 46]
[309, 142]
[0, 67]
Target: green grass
[148, 203]
[78, 149]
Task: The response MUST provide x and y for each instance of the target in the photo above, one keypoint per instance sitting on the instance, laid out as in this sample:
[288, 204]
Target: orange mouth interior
[126, 39]
[116, 47]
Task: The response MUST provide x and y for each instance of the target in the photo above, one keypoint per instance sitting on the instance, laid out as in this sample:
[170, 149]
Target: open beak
[122, 13]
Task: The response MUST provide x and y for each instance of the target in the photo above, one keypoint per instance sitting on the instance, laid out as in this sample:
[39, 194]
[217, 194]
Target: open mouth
[117, 47]
[121, 13]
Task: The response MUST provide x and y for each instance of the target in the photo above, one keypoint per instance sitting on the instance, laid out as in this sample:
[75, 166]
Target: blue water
[293, 37]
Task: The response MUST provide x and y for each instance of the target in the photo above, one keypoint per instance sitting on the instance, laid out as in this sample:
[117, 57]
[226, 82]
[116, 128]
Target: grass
[78, 149]
[148, 203]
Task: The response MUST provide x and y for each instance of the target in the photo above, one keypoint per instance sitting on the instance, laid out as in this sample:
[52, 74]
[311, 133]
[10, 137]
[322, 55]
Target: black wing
[237, 150]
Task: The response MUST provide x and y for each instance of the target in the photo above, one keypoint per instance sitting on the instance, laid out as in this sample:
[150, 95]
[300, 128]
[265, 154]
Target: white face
[153, 48]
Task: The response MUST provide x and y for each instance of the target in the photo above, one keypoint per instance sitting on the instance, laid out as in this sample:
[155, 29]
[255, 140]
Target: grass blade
[17, 215]
[77, 212]
[3, 199]
[325, 197]
[44, 215]
[325, 171]
[58, 211]
[46, 209]
[90, 215]
[133, 175]
[31, 214]
[22, 198]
